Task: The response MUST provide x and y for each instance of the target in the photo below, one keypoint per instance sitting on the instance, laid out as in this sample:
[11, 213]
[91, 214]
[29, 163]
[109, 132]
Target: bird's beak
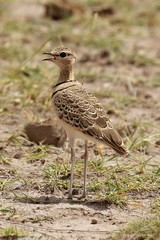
[51, 58]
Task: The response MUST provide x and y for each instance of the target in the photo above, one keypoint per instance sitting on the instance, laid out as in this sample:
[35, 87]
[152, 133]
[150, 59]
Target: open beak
[52, 58]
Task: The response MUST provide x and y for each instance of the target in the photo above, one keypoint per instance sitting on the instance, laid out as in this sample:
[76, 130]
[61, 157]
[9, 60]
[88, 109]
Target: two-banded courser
[79, 112]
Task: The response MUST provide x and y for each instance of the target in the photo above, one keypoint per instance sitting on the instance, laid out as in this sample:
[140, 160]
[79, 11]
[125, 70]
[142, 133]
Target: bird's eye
[62, 54]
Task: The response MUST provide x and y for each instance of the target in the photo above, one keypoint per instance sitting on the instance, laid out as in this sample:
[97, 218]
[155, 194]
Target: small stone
[110, 112]
[43, 161]
[75, 191]
[18, 155]
[158, 142]
[62, 9]
[104, 54]
[103, 11]
[1, 148]
[94, 221]
[46, 133]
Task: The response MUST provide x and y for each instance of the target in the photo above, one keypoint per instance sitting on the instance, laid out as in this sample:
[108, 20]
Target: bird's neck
[66, 73]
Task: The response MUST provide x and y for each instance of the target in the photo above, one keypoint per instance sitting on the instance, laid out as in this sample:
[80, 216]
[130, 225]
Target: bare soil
[126, 90]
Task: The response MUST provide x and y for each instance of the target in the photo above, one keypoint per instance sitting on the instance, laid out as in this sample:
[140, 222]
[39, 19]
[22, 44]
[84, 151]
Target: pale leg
[72, 172]
[85, 170]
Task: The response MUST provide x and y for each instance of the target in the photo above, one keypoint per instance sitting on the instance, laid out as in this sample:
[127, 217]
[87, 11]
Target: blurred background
[117, 43]
[117, 47]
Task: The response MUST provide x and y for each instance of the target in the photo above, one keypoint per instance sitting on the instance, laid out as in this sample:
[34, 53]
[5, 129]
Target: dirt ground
[118, 61]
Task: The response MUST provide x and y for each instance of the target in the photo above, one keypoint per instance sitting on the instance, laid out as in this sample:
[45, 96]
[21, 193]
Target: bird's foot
[70, 196]
[81, 196]
[74, 194]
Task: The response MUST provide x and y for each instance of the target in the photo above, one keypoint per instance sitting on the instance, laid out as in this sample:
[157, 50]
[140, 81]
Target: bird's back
[82, 112]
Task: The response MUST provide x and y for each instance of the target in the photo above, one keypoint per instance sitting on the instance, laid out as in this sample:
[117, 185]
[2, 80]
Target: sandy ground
[28, 202]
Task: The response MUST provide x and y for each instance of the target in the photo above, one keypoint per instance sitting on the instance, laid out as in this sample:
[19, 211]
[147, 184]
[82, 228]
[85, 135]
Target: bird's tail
[113, 139]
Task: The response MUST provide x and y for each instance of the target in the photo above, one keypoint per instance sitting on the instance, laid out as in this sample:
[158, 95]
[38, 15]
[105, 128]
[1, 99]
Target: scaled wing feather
[82, 110]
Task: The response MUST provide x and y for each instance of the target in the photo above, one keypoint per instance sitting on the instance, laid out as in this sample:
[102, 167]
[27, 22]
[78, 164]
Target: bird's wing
[82, 110]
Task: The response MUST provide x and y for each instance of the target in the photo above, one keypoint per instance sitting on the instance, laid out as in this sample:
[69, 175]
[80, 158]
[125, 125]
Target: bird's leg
[85, 170]
[72, 172]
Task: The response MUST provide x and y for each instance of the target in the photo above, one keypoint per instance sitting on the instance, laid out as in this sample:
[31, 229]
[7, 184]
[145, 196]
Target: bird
[80, 113]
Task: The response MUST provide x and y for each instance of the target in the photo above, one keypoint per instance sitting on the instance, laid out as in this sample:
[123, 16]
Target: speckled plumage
[80, 109]
[79, 112]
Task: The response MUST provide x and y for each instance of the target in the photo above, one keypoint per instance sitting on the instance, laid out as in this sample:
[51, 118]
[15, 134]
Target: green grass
[140, 59]
[4, 183]
[156, 205]
[12, 232]
[102, 93]
[144, 229]
[56, 174]
[154, 81]
[8, 211]
[113, 184]
[5, 160]
[130, 36]
[39, 153]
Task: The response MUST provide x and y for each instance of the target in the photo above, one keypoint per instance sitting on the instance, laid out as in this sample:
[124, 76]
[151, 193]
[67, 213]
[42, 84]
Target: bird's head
[61, 56]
